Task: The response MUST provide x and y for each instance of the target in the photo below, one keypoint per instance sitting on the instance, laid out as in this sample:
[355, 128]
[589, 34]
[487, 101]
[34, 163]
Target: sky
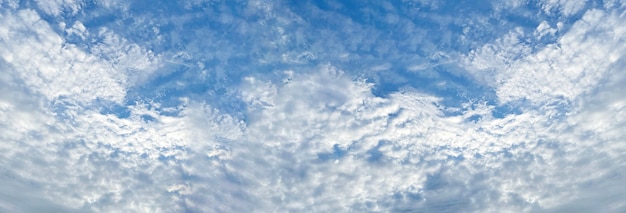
[312, 106]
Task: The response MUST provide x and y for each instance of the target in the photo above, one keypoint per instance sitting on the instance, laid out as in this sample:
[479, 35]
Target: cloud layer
[267, 106]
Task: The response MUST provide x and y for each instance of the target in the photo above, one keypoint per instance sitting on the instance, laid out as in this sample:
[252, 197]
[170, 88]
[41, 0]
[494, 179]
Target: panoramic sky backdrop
[312, 106]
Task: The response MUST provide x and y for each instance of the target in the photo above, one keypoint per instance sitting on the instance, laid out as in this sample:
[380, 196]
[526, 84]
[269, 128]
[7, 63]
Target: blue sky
[312, 106]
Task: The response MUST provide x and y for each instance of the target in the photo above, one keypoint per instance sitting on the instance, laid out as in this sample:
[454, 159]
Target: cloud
[59, 149]
[53, 68]
[311, 136]
[56, 7]
[567, 68]
[564, 80]
[566, 8]
[86, 161]
[351, 150]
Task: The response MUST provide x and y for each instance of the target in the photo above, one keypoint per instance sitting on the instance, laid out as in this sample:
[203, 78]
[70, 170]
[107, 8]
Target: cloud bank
[97, 118]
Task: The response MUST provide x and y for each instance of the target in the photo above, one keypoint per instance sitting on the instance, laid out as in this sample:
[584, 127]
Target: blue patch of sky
[457, 89]
[501, 111]
[169, 88]
[337, 153]
[374, 154]
[115, 109]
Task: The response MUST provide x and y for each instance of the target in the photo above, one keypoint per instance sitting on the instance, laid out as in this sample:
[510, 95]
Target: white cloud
[40, 57]
[57, 69]
[77, 29]
[73, 157]
[56, 7]
[320, 142]
[564, 7]
[614, 3]
[584, 131]
[86, 161]
[10, 3]
[566, 69]
[344, 149]
[316, 139]
[544, 29]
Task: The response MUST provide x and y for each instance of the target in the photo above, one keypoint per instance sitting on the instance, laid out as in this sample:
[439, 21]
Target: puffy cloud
[57, 69]
[566, 8]
[56, 7]
[59, 148]
[568, 68]
[350, 150]
[311, 138]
